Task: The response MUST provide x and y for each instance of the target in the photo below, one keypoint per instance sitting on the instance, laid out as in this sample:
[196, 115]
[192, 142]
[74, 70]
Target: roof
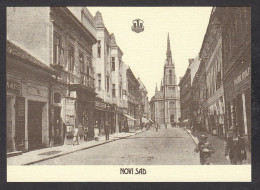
[15, 50]
[142, 87]
[99, 20]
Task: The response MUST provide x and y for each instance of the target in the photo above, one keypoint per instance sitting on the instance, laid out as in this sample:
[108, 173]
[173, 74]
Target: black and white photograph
[130, 87]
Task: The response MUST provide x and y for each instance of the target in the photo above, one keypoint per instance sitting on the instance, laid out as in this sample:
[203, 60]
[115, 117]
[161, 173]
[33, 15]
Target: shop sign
[14, 86]
[242, 76]
[70, 106]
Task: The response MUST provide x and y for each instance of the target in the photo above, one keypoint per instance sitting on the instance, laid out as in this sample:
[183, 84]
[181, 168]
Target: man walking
[235, 150]
[107, 129]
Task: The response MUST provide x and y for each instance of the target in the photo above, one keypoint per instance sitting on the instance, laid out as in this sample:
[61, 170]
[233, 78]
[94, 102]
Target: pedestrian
[86, 133]
[96, 131]
[107, 129]
[76, 135]
[205, 150]
[81, 131]
[235, 150]
[156, 126]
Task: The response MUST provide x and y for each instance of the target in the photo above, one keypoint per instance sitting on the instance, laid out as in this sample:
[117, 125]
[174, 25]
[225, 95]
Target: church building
[165, 104]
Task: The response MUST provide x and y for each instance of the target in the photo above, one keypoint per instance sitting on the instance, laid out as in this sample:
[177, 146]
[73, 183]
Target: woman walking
[96, 131]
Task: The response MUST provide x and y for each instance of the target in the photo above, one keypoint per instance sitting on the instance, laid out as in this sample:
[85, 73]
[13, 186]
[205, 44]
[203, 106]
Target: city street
[172, 146]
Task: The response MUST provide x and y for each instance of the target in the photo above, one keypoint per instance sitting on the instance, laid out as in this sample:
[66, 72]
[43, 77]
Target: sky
[145, 52]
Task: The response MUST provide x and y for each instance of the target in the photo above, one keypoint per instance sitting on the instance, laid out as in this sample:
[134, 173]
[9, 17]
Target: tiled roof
[14, 50]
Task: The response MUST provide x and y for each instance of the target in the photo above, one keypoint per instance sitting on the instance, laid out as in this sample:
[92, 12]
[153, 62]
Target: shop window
[99, 48]
[71, 58]
[57, 97]
[114, 90]
[113, 64]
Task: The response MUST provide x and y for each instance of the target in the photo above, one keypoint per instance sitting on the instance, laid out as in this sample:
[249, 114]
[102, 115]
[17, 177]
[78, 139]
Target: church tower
[170, 88]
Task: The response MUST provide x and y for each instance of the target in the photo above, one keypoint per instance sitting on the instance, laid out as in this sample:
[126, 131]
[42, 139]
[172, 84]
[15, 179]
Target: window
[120, 91]
[107, 50]
[107, 83]
[170, 78]
[81, 62]
[71, 58]
[99, 81]
[57, 97]
[114, 90]
[99, 49]
[57, 51]
[113, 63]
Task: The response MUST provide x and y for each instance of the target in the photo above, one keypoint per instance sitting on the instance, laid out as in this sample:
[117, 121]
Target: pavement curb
[84, 148]
[193, 138]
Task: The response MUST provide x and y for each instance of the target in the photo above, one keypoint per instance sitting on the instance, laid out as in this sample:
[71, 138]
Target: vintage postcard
[128, 94]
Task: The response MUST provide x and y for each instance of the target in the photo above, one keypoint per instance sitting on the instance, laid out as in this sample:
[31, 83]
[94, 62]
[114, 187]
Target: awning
[129, 117]
[144, 120]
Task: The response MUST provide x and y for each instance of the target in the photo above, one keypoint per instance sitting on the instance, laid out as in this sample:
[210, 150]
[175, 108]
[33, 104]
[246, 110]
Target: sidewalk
[218, 158]
[53, 152]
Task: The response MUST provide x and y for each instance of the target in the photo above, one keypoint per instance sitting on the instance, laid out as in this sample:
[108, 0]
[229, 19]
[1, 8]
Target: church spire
[156, 89]
[169, 53]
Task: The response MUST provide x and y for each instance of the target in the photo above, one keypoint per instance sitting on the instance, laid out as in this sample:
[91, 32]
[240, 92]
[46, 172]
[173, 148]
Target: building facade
[199, 99]
[103, 75]
[185, 94]
[133, 100]
[165, 104]
[59, 39]
[236, 34]
[27, 100]
[211, 56]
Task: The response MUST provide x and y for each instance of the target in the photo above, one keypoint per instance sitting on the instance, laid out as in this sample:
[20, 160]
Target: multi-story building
[165, 104]
[211, 55]
[117, 83]
[103, 75]
[185, 94]
[62, 38]
[145, 107]
[236, 34]
[133, 100]
[198, 99]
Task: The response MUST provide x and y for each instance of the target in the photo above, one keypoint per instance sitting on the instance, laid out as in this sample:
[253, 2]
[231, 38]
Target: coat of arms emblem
[138, 25]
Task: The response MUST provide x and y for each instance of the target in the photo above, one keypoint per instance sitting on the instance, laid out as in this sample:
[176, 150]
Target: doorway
[35, 110]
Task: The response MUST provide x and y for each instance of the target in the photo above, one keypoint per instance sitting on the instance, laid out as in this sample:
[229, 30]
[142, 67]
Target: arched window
[57, 97]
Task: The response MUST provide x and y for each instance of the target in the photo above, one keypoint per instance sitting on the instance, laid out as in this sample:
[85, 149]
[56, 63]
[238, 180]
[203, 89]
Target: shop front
[27, 101]
[84, 111]
[100, 115]
[238, 94]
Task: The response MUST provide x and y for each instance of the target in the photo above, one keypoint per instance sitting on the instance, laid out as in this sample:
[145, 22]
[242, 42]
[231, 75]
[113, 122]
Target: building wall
[31, 33]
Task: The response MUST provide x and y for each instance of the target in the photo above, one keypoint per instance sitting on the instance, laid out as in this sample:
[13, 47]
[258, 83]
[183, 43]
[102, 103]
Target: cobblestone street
[172, 146]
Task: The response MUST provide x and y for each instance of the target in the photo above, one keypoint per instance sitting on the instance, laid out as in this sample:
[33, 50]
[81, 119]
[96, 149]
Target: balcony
[82, 79]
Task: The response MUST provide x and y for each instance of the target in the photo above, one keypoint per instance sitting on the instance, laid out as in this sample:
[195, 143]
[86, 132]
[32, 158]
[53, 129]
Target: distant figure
[76, 136]
[235, 150]
[96, 131]
[107, 129]
[156, 126]
[205, 150]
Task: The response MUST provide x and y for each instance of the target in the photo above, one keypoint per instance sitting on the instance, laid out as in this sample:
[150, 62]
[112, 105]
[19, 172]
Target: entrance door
[34, 125]
[58, 130]
[172, 120]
